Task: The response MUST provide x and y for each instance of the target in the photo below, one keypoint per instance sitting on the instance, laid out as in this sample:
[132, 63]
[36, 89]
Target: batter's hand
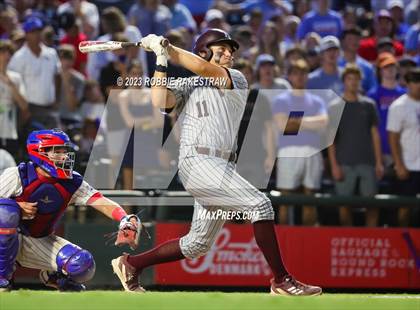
[29, 209]
[153, 43]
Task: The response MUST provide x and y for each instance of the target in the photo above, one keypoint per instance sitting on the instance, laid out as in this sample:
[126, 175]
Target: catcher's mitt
[129, 231]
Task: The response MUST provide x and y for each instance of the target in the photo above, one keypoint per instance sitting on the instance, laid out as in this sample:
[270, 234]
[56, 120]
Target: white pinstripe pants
[215, 184]
[40, 253]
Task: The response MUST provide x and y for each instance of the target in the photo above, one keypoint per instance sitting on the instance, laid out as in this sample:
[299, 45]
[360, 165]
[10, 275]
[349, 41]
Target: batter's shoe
[60, 282]
[292, 287]
[5, 285]
[127, 274]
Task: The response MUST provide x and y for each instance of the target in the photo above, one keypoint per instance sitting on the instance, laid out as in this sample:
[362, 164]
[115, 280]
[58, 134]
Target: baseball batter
[33, 197]
[210, 118]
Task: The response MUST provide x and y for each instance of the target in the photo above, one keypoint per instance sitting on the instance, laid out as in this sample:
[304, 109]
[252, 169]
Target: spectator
[328, 75]
[138, 112]
[72, 85]
[268, 43]
[313, 59]
[181, 15]
[38, 65]
[254, 20]
[322, 21]
[47, 11]
[296, 164]
[246, 39]
[150, 16]
[383, 27]
[278, 21]
[301, 7]
[291, 24]
[18, 38]
[403, 127]
[385, 45]
[267, 7]
[311, 41]
[215, 19]
[11, 97]
[385, 94]
[412, 42]
[177, 39]
[396, 8]
[93, 105]
[6, 160]
[255, 167]
[350, 42]
[405, 64]
[73, 36]
[113, 22]
[86, 12]
[8, 23]
[266, 74]
[356, 151]
[294, 53]
[411, 12]
[48, 37]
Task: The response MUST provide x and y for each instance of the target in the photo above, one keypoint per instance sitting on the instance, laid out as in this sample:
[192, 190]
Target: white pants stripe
[40, 253]
[215, 184]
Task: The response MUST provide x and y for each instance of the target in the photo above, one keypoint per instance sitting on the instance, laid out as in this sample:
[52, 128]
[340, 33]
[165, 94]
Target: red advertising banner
[330, 257]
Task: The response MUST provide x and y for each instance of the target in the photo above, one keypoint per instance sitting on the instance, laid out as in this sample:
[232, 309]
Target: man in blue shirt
[181, 15]
[328, 75]
[322, 21]
[350, 42]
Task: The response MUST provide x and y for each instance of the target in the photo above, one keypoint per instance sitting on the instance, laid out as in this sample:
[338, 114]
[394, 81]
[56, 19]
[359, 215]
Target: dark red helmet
[211, 37]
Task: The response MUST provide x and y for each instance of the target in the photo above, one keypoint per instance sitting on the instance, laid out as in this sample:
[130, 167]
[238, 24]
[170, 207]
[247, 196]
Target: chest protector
[52, 195]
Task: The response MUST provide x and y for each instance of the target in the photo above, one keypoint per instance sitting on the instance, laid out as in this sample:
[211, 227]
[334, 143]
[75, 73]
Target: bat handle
[164, 43]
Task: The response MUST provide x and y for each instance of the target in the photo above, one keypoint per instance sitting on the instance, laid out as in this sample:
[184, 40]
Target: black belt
[229, 156]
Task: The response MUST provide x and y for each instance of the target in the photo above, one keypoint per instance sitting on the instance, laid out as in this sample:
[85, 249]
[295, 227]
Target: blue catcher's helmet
[53, 151]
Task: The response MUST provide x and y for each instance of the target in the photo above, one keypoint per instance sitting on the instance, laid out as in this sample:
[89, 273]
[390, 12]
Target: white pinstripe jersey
[210, 117]
[11, 186]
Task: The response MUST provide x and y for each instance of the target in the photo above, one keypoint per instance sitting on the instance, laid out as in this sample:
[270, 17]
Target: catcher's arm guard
[129, 231]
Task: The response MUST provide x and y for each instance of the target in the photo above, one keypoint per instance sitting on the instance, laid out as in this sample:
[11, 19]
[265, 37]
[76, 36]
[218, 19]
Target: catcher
[33, 197]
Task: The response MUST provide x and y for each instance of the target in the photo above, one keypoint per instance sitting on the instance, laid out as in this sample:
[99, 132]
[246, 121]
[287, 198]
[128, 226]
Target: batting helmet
[211, 37]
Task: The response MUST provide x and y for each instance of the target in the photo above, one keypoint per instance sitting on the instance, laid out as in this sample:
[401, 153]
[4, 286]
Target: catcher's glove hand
[129, 231]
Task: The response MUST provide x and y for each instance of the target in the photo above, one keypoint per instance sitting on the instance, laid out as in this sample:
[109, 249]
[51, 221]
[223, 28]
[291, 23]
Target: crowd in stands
[363, 53]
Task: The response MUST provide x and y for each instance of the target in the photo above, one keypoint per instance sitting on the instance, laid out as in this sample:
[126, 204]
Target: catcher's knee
[194, 249]
[9, 242]
[75, 262]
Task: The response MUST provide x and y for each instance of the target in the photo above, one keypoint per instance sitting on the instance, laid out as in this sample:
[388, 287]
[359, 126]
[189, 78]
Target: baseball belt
[229, 156]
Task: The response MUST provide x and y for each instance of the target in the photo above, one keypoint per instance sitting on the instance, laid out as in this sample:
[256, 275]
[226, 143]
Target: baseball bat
[101, 46]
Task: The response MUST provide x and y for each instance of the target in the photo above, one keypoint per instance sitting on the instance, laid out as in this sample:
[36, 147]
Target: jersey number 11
[200, 110]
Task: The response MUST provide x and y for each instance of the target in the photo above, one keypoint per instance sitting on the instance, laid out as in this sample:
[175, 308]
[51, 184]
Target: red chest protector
[52, 195]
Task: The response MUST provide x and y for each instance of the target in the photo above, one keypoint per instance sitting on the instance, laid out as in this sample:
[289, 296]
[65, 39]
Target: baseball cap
[395, 3]
[32, 24]
[413, 75]
[212, 15]
[386, 59]
[383, 14]
[407, 61]
[328, 42]
[384, 41]
[352, 30]
[265, 58]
